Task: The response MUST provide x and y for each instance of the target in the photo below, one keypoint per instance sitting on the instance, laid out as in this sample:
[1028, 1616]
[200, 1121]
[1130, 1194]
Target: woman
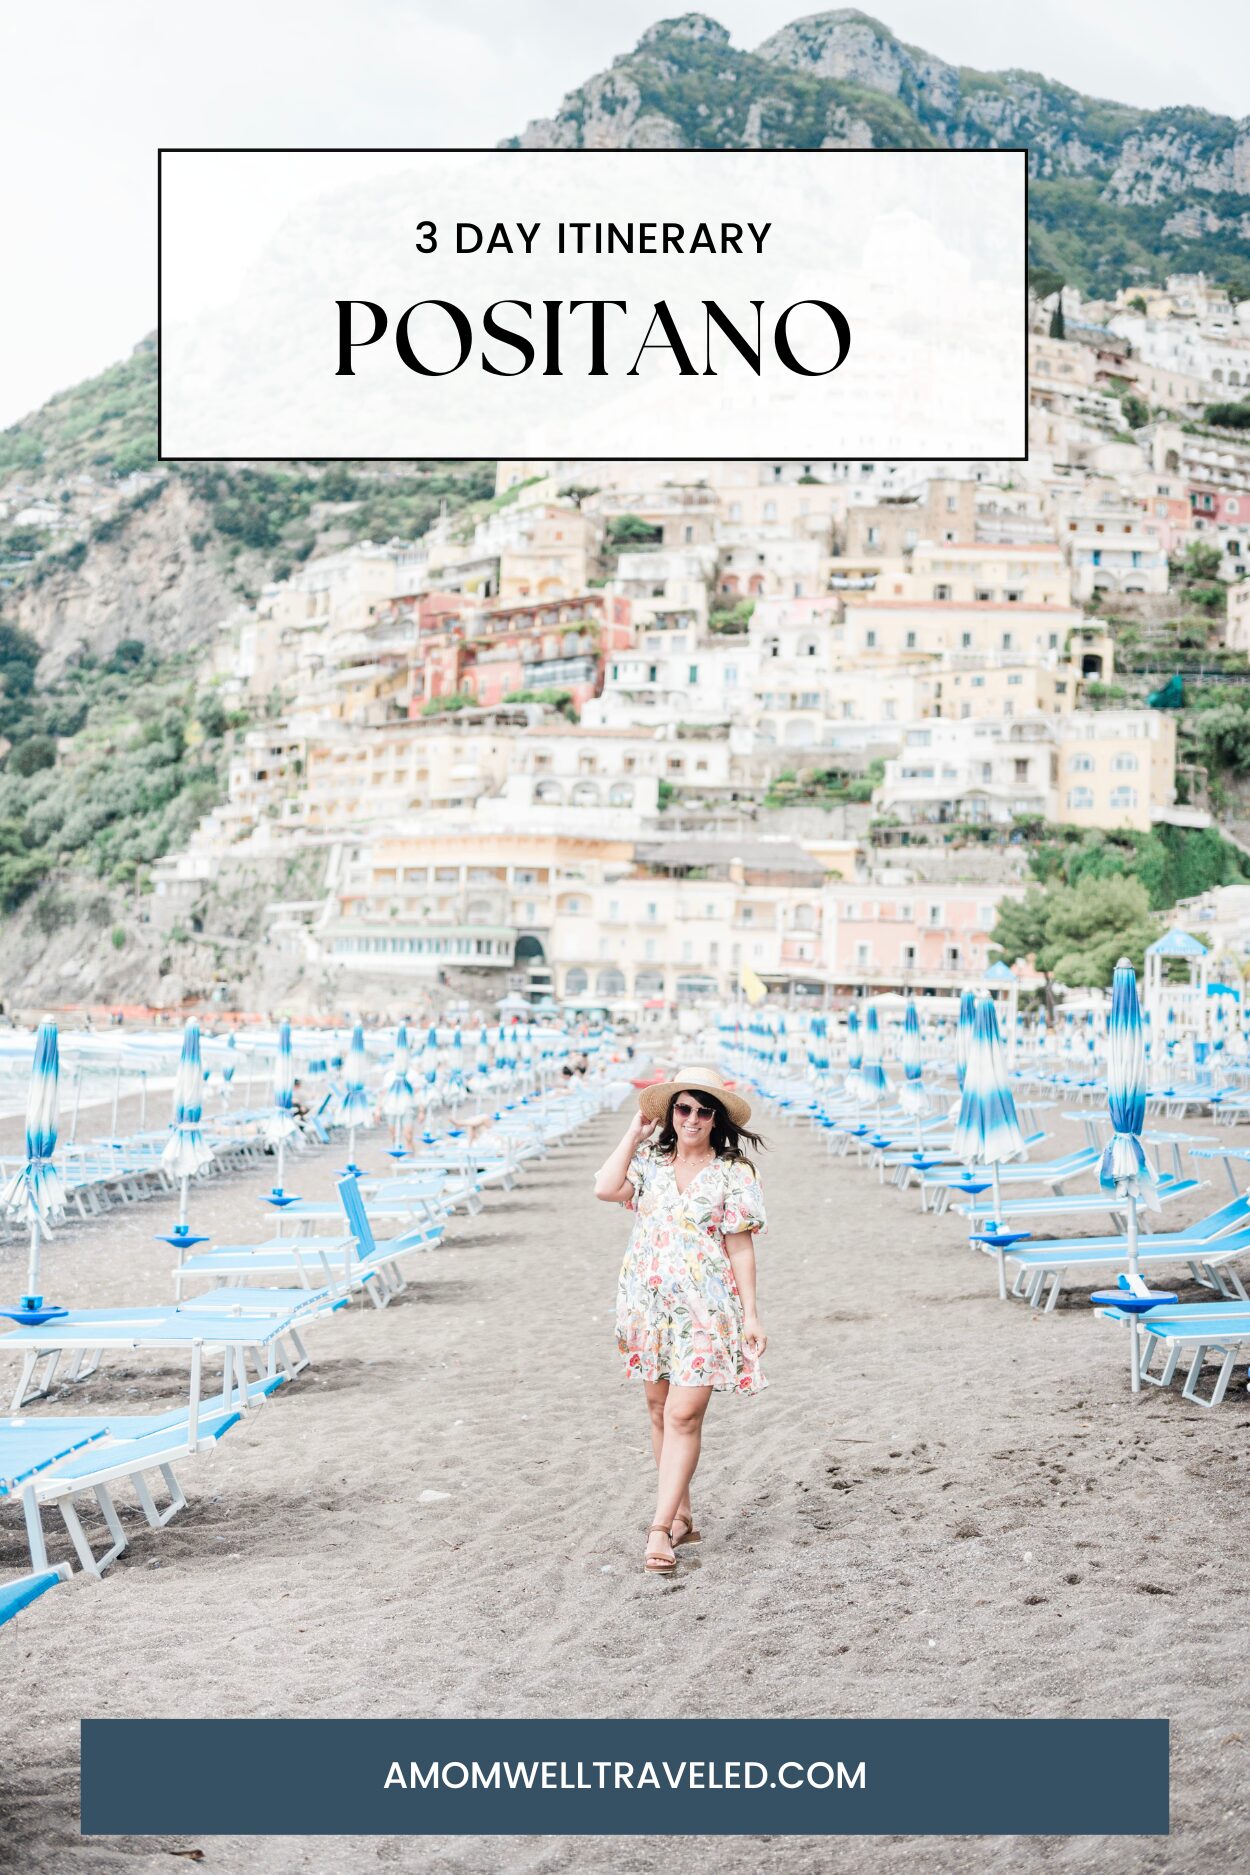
[686, 1319]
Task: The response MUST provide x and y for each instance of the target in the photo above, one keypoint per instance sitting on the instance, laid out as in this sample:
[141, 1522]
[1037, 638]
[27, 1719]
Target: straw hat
[698, 1078]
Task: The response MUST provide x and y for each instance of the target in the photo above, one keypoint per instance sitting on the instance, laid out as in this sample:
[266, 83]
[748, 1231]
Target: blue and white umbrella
[34, 1191]
[873, 1075]
[282, 1124]
[354, 1103]
[854, 1056]
[481, 1055]
[963, 1034]
[1124, 1168]
[429, 1068]
[398, 1097]
[187, 1152]
[987, 1131]
[455, 1072]
[912, 1097]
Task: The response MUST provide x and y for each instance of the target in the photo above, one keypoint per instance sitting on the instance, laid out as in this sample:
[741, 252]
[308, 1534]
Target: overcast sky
[92, 87]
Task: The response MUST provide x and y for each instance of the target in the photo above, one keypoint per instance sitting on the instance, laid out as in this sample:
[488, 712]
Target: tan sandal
[692, 1535]
[660, 1565]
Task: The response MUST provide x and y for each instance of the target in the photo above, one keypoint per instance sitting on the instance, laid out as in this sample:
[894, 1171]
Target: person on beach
[686, 1317]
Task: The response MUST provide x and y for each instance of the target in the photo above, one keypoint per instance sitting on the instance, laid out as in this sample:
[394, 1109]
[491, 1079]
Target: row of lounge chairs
[265, 1300]
[1181, 1338]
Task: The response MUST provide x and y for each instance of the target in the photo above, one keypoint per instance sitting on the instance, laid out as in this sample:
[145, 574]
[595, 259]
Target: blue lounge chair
[103, 1450]
[1211, 1264]
[349, 1263]
[984, 1210]
[1198, 1329]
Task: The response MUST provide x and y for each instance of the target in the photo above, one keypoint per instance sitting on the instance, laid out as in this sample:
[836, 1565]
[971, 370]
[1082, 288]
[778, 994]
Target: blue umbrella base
[1000, 1239]
[32, 1318]
[1130, 1304]
[279, 1198]
[180, 1239]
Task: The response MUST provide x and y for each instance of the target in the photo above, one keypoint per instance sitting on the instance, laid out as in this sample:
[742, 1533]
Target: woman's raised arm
[611, 1182]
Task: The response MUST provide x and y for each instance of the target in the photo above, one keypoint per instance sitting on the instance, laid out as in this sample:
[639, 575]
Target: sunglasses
[687, 1112]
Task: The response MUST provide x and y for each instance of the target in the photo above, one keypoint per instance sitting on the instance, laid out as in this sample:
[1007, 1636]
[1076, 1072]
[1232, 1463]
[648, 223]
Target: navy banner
[603, 1777]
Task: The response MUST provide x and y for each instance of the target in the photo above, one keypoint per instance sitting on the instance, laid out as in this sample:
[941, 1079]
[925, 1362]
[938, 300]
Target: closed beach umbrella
[963, 1033]
[282, 1123]
[354, 1101]
[854, 1055]
[912, 1097]
[429, 1058]
[34, 1192]
[187, 1151]
[873, 1071]
[354, 1104]
[1124, 1168]
[987, 1131]
[481, 1054]
[455, 1073]
[398, 1098]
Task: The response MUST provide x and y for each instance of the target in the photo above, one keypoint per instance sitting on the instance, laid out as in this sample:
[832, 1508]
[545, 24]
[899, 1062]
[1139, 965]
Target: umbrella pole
[32, 1260]
[73, 1125]
[117, 1088]
[143, 1100]
[1134, 1342]
[998, 1230]
[182, 1203]
[281, 1162]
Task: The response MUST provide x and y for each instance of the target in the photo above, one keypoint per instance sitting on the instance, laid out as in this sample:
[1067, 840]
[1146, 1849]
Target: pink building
[912, 936]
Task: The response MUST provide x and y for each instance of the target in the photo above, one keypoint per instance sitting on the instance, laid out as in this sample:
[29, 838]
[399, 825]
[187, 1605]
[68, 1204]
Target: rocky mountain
[1117, 193]
[102, 544]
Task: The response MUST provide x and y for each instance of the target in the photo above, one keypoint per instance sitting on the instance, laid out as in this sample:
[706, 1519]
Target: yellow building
[1115, 767]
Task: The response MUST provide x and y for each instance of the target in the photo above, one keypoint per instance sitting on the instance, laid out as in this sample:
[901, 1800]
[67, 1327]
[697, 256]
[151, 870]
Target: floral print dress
[678, 1311]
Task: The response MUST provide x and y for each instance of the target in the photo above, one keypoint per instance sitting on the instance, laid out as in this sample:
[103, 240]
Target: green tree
[1090, 926]
[1021, 931]
[27, 758]
[1057, 328]
[630, 530]
[1136, 410]
[1076, 934]
[1224, 738]
[1201, 562]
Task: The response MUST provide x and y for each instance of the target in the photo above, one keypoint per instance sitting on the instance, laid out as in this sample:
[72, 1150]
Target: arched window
[610, 983]
[648, 983]
[621, 794]
[548, 791]
[585, 794]
[575, 981]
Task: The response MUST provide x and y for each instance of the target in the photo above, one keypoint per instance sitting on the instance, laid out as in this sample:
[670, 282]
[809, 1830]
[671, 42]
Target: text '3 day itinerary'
[645, 304]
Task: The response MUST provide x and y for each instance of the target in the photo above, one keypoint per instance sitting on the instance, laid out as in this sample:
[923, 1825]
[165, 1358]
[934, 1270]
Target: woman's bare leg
[683, 1434]
[656, 1392]
[657, 1395]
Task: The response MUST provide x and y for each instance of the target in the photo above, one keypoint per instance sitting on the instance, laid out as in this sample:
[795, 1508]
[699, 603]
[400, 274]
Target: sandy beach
[942, 1505]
